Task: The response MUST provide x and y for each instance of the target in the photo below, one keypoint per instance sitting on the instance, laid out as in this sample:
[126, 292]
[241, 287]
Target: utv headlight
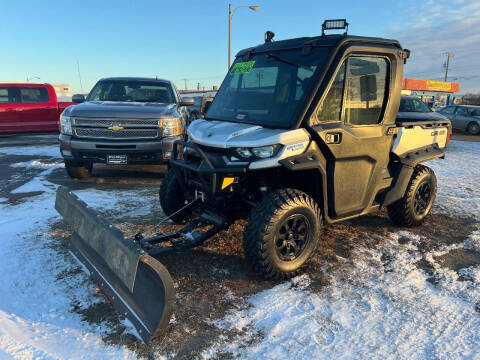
[65, 124]
[261, 152]
[265, 152]
[170, 126]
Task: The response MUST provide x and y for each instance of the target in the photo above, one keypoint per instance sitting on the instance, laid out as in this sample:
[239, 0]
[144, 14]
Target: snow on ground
[380, 304]
[39, 285]
[48, 151]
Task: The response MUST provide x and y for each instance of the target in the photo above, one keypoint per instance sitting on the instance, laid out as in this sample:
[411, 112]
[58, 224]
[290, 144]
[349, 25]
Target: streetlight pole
[230, 14]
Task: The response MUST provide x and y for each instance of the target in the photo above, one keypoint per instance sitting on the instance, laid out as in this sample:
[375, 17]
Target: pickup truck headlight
[261, 152]
[170, 126]
[65, 124]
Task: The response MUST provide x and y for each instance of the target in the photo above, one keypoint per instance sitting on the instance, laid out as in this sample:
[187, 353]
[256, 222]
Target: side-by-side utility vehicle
[301, 133]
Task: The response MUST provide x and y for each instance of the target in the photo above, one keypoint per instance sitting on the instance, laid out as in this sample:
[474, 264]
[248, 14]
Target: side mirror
[187, 101]
[206, 106]
[368, 87]
[78, 98]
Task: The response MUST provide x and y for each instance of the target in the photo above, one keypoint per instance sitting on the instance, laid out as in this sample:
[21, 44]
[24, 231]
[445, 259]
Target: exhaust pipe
[137, 285]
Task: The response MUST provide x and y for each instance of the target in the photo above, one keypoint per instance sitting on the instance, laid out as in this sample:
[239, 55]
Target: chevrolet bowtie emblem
[116, 127]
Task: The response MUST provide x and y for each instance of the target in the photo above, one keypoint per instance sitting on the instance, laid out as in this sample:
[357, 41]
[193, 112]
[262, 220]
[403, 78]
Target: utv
[301, 132]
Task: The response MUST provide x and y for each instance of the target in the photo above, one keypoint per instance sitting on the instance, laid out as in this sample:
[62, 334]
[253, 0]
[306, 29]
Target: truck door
[38, 112]
[349, 123]
[9, 99]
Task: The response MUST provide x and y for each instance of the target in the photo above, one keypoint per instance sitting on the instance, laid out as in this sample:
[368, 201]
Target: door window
[331, 107]
[366, 88]
[34, 95]
[9, 95]
[449, 110]
[462, 111]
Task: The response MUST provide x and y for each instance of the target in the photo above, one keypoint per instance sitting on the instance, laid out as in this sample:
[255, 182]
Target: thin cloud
[438, 28]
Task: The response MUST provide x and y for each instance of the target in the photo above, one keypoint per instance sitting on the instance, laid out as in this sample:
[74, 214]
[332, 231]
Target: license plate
[117, 159]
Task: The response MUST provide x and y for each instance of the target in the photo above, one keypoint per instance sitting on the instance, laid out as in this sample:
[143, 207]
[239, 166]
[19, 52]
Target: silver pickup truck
[122, 121]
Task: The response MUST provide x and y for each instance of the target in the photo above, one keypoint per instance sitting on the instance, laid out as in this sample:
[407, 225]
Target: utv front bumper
[204, 170]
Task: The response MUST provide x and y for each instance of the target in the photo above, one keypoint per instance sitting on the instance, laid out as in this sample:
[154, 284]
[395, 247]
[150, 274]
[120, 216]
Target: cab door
[349, 122]
[37, 111]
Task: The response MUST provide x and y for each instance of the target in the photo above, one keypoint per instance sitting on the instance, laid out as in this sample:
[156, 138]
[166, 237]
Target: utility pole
[447, 64]
[185, 83]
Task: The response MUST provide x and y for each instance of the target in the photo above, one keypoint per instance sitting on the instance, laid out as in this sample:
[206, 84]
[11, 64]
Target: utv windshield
[137, 91]
[267, 88]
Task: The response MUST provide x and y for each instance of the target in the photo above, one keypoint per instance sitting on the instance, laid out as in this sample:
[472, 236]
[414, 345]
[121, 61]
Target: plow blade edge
[139, 286]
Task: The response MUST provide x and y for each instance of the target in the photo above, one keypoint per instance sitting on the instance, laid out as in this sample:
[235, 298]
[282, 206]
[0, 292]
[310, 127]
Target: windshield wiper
[289, 62]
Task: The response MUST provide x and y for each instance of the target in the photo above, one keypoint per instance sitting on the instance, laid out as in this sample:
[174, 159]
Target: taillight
[449, 135]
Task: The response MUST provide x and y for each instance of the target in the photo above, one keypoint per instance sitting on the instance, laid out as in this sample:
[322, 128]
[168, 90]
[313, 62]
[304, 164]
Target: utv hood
[118, 110]
[224, 134]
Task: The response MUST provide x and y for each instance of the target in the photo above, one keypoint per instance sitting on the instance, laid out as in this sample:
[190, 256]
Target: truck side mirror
[78, 98]
[206, 106]
[368, 87]
[187, 101]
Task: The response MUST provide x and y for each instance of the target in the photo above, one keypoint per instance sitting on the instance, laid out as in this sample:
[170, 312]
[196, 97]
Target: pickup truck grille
[126, 128]
[151, 123]
[119, 134]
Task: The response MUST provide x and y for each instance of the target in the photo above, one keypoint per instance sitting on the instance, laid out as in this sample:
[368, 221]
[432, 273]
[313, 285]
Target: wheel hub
[422, 198]
[292, 237]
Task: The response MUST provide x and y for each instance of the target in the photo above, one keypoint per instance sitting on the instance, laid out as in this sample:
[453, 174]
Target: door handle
[333, 138]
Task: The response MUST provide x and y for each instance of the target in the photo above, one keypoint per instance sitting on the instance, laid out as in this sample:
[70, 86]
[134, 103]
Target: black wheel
[473, 128]
[78, 170]
[282, 233]
[417, 202]
[172, 198]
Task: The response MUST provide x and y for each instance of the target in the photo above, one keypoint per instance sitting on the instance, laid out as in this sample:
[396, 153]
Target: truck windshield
[267, 88]
[412, 105]
[138, 91]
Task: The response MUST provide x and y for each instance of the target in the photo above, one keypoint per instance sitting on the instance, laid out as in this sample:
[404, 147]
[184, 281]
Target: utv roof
[323, 41]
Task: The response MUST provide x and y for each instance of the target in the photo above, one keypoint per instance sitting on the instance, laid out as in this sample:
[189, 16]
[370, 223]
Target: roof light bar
[335, 24]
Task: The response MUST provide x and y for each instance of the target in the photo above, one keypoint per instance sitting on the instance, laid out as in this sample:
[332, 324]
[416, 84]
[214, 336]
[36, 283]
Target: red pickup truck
[29, 108]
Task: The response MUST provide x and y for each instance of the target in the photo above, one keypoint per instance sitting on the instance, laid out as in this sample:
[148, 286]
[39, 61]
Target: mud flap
[139, 286]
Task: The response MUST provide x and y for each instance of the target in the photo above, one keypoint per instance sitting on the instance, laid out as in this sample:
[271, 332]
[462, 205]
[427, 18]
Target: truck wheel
[282, 233]
[78, 170]
[417, 202]
[473, 128]
[172, 198]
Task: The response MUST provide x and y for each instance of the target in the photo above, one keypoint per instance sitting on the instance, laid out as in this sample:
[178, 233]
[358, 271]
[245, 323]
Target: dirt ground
[213, 279]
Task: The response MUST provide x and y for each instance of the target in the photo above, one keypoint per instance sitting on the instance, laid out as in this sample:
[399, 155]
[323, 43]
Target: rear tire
[172, 198]
[78, 170]
[473, 128]
[417, 202]
[282, 233]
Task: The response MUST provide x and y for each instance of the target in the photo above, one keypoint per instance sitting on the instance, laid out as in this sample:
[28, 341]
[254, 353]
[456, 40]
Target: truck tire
[78, 170]
[172, 198]
[473, 128]
[417, 202]
[282, 233]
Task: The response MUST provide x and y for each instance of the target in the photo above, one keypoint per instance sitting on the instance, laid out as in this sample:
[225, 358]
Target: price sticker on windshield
[243, 67]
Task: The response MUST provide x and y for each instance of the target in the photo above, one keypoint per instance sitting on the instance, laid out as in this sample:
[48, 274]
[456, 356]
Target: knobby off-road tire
[278, 223]
[473, 128]
[172, 198]
[78, 170]
[417, 202]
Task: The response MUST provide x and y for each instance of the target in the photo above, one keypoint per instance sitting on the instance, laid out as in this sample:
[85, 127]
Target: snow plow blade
[138, 285]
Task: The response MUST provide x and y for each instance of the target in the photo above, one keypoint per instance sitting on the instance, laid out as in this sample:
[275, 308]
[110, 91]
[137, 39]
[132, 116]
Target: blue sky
[188, 39]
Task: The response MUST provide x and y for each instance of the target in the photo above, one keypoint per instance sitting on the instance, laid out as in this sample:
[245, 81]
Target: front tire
[473, 128]
[78, 170]
[413, 208]
[172, 198]
[282, 233]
